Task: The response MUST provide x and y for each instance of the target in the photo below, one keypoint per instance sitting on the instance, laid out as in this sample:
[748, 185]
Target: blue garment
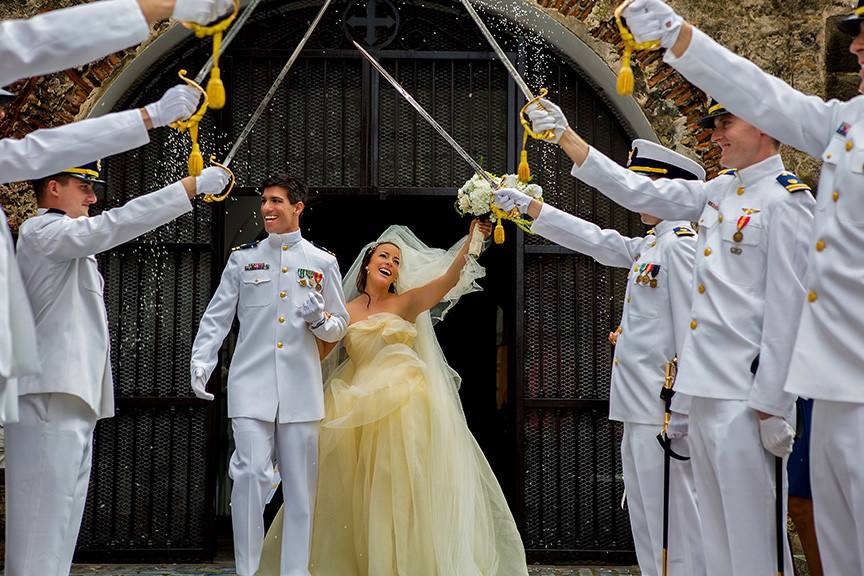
[798, 466]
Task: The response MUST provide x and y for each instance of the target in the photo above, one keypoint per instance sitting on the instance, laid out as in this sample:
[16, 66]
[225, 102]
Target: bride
[403, 487]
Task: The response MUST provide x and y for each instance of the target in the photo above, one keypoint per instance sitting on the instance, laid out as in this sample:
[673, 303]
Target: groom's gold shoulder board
[246, 246]
[323, 249]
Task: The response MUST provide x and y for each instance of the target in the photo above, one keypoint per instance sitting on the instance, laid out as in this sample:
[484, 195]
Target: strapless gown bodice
[367, 338]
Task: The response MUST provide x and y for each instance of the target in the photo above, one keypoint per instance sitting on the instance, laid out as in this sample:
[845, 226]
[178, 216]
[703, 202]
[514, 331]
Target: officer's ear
[298, 208]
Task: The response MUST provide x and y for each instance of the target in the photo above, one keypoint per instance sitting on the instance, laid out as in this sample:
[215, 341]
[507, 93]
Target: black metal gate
[371, 161]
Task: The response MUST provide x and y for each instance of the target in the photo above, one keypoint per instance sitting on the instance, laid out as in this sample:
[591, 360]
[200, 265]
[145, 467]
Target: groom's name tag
[310, 278]
[257, 266]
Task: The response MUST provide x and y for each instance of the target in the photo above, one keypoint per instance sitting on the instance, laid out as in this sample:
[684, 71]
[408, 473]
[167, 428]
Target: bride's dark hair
[363, 274]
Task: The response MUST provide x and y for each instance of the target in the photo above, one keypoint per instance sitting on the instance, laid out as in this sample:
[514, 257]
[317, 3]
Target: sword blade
[428, 117]
[508, 64]
[272, 92]
[241, 20]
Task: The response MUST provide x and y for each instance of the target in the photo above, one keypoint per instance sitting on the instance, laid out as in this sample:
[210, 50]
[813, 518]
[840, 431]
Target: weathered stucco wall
[792, 39]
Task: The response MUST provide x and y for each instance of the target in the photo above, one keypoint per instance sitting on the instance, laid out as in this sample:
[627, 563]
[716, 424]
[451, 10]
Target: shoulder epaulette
[650, 232]
[683, 231]
[322, 249]
[727, 171]
[246, 246]
[792, 183]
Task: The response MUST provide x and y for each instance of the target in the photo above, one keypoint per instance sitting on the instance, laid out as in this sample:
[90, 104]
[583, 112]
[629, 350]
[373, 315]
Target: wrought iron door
[369, 161]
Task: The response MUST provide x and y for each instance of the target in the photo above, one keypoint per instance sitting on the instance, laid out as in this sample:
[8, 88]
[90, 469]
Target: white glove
[201, 11]
[547, 116]
[653, 20]
[508, 198]
[212, 180]
[679, 426]
[777, 436]
[199, 384]
[178, 103]
[312, 310]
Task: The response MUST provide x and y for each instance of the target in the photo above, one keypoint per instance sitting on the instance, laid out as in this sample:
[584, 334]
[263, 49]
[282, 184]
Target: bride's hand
[485, 227]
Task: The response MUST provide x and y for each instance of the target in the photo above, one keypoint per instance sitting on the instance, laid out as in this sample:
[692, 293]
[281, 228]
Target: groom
[285, 292]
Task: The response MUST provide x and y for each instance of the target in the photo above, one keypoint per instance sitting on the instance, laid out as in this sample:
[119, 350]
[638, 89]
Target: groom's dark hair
[294, 188]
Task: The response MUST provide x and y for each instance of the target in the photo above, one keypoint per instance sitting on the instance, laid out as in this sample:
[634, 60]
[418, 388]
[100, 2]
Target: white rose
[510, 181]
[534, 190]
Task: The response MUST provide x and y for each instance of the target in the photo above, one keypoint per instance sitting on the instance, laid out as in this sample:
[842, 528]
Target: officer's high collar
[41, 211]
[288, 238]
[771, 166]
[661, 227]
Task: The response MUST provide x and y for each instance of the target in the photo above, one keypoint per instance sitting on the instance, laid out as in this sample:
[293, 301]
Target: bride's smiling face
[383, 267]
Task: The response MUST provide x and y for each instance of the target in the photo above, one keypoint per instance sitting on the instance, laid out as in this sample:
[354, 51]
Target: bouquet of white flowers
[475, 197]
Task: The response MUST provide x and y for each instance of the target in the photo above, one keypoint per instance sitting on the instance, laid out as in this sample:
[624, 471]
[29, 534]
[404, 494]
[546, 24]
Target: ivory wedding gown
[403, 487]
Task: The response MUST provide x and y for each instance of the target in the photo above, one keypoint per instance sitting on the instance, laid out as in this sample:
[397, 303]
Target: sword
[779, 516]
[511, 69]
[272, 92]
[666, 395]
[241, 20]
[508, 64]
[428, 117]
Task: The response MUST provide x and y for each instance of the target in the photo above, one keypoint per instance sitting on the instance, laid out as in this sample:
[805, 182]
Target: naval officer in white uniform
[654, 324]
[828, 359]
[754, 229]
[49, 450]
[41, 45]
[285, 293]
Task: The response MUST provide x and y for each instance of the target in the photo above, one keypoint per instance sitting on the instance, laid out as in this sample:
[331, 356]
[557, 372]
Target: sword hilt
[669, 381]
[218, 27]
[196, 160]
[546, 135]
[224, 195]
[183, 125]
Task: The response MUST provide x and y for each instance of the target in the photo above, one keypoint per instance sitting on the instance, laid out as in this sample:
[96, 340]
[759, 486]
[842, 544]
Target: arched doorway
[531, 348]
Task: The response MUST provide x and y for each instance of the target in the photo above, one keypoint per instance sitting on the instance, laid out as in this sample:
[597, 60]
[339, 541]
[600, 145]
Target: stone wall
[790, 38]
[51, 100]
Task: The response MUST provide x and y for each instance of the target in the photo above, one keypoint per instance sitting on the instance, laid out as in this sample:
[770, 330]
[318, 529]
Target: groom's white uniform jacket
[275, 373]
[656, 312]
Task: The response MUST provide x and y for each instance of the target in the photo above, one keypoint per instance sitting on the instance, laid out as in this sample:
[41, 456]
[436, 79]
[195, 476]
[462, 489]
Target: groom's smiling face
[280, 216]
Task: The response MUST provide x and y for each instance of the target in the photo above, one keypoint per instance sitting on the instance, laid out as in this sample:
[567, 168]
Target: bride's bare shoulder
[357, 309]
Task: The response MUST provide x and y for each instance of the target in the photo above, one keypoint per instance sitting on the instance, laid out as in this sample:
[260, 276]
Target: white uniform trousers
[642, 463]
[48, 456]
[735, 482]
[251, 467]
[837, 478]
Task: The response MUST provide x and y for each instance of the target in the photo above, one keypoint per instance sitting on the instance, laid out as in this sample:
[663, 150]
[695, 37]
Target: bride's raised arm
[423, 298]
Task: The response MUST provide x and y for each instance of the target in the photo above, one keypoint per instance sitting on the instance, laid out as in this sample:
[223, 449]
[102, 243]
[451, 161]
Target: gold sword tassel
[625, 75]
[196, 160]
[215, 87]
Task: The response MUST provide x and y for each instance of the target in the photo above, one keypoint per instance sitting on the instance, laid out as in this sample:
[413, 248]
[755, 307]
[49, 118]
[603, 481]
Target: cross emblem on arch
[378, 15]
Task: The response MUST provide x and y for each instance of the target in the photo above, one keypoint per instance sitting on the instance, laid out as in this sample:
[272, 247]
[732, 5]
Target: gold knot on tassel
[215, 87]
[626, 82]
[196, 159]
